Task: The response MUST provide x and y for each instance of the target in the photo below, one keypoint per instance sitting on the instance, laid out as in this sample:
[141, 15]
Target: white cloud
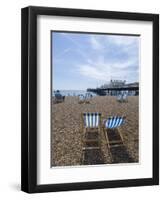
[122, 40]
[92, 72]
[107, 57]
[107, 71]
[102, 66]
[95, 43]
[61, 54]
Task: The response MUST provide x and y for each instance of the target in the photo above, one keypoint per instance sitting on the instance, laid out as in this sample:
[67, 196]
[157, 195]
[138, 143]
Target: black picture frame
[29, 98]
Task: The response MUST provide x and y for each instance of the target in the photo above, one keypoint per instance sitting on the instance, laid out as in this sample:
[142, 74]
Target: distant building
[116, 87]
[114, 84]
[135, 84]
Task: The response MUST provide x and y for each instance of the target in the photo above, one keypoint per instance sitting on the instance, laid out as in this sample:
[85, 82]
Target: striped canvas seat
[91, 120]
[114, 122]
[125, 97]
[81, 97]
[119, 97]
[88, 96]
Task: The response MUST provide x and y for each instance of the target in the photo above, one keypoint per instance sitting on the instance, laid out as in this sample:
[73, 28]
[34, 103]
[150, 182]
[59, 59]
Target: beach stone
[67, 134]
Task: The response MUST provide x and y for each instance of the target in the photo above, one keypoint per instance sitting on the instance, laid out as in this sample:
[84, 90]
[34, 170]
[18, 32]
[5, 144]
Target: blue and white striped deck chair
[92, 120]
[111, 127]
[124, 98]
[91, 125]
[87, 98]
[119, 98]
[81, 98]
[114, 122]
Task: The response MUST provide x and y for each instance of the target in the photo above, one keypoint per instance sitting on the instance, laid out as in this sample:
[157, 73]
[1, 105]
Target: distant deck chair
[58, 98]
[88, 97]
[125, 98]
[81, 99]
[112, 133]
[91, 126]
[119, 98]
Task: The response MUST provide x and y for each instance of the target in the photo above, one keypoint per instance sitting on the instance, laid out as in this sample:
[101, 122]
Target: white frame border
[48, 175]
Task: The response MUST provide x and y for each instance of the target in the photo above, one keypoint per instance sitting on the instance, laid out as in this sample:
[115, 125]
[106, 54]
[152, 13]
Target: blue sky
[80, 61]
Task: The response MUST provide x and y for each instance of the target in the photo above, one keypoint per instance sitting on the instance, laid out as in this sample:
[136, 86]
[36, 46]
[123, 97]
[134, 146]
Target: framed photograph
[90, 99]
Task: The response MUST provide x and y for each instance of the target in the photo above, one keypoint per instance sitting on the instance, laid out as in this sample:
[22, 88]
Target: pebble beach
[67, 133]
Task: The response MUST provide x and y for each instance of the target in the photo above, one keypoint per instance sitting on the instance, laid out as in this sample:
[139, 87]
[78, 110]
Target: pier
[113, 91]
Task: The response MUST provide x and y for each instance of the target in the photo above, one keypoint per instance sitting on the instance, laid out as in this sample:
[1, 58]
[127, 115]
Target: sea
[74, 92]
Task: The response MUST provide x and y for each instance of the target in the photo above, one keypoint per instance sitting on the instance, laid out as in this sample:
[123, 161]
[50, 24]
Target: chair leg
[82, 158]
[108, 145]
[120, 135]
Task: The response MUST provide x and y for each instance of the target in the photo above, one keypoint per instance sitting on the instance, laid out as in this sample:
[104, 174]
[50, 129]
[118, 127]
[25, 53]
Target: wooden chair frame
[81, 101]
[114, 143]
[86, 130]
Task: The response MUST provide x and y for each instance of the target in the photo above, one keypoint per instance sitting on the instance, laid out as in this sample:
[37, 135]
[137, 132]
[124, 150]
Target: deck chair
[88, 97]
[119, 98]
[125, 98]
[81, 98]
[112, 133]
[91, 126]
[59, 98]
